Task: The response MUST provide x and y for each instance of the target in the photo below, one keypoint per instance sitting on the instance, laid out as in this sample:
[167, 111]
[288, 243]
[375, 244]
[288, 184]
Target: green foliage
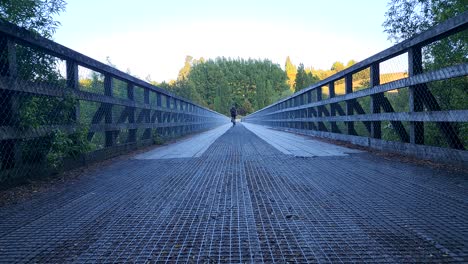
[219, 83]
[37, 111]
[184, 72]
[58, 145]
[350, 63]
[406, 18]
[157, 139]
[65, 145]
[291, 72]
[304, 79]
[34, 15]
[337, 66]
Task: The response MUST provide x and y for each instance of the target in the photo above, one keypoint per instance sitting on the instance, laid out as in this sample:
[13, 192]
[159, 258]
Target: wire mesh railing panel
[122, 137]
[398, 99]
[87, 111]
[394, 69]
[446, 52]
[361, 80]
[339, 87]
[139, 94]
[90, 81]
[434, 134]
[119, 89]
[454, 98]
[153, 97]
[410, 98]
[390, 131]
[58, 105]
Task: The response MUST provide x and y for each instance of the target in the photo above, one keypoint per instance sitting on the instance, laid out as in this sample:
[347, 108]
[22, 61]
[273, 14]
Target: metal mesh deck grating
[244, 201]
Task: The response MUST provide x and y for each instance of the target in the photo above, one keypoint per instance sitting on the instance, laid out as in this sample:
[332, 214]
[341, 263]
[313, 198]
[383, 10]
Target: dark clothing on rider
[233, 112]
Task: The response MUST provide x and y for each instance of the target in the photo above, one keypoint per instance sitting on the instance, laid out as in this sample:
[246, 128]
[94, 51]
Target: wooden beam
[350, 104]
[376, 126]
[320, 109]
[437, 75]
[434, 116]
[440, 31]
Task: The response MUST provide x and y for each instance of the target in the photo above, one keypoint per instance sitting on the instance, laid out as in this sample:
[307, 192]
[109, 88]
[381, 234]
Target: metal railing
[423, 112]
[57, 104]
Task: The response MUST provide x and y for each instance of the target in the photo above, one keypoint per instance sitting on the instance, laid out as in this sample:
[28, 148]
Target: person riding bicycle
[233, 115]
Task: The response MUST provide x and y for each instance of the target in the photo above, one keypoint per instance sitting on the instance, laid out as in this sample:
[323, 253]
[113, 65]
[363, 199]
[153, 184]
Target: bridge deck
[245, 199]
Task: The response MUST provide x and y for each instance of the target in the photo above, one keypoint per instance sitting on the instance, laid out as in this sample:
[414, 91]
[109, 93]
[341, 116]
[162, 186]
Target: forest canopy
[249, 84]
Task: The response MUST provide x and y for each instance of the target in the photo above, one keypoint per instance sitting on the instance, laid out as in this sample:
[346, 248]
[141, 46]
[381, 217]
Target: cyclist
[233, 115]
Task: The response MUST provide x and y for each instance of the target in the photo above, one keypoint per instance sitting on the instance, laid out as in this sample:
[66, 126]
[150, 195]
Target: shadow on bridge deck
[246, 199]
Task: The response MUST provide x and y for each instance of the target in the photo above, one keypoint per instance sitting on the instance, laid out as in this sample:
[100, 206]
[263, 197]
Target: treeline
[220, 83]
[249, 84]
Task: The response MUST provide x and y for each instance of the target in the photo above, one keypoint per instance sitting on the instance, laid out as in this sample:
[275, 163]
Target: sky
[153, 37]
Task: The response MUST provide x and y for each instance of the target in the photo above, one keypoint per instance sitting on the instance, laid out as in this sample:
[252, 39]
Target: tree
[304, 78]
[291, 72]
[34, 15]
[219, 83]
[337, 66]
[184, 72]
[300, 78]
[350, 63]
[34, 65]
[406, 18]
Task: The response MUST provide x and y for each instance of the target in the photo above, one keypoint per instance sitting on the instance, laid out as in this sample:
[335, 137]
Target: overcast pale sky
[152, 37]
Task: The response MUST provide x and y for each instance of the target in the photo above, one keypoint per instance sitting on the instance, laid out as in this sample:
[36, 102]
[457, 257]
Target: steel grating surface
[244, 201]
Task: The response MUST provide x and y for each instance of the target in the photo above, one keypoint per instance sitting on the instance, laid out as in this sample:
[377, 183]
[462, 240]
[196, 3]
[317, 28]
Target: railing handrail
[34, 40]
[448, 27]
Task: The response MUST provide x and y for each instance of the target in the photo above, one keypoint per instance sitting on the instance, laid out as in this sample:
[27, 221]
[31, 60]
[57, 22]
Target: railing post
[321, 126]
[349, 104]
[147, 119]
[168, 116]
[331, 90]
[310, 111]
[415, 100]
[185, 115]
[72, 83]
[131, 114]
[177, 107]
[189, 117]
[108, 90]
[302, 112]
[159, 114]
[376, 128]
[9, 107]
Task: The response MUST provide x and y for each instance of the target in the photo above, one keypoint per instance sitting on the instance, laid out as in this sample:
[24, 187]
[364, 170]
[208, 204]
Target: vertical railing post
[376, 127]
[159, 113]
[349, 104]
[176, 117]
[415, 100]
[331, 90]
[168, 116]
[147, 119]
[291, 113]
[131, 114]
[302, 111]
[72, 83]
[9, 107]
[321, 125]
[108, 90]
[186, 117]
[310, 111]
[190, 117]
